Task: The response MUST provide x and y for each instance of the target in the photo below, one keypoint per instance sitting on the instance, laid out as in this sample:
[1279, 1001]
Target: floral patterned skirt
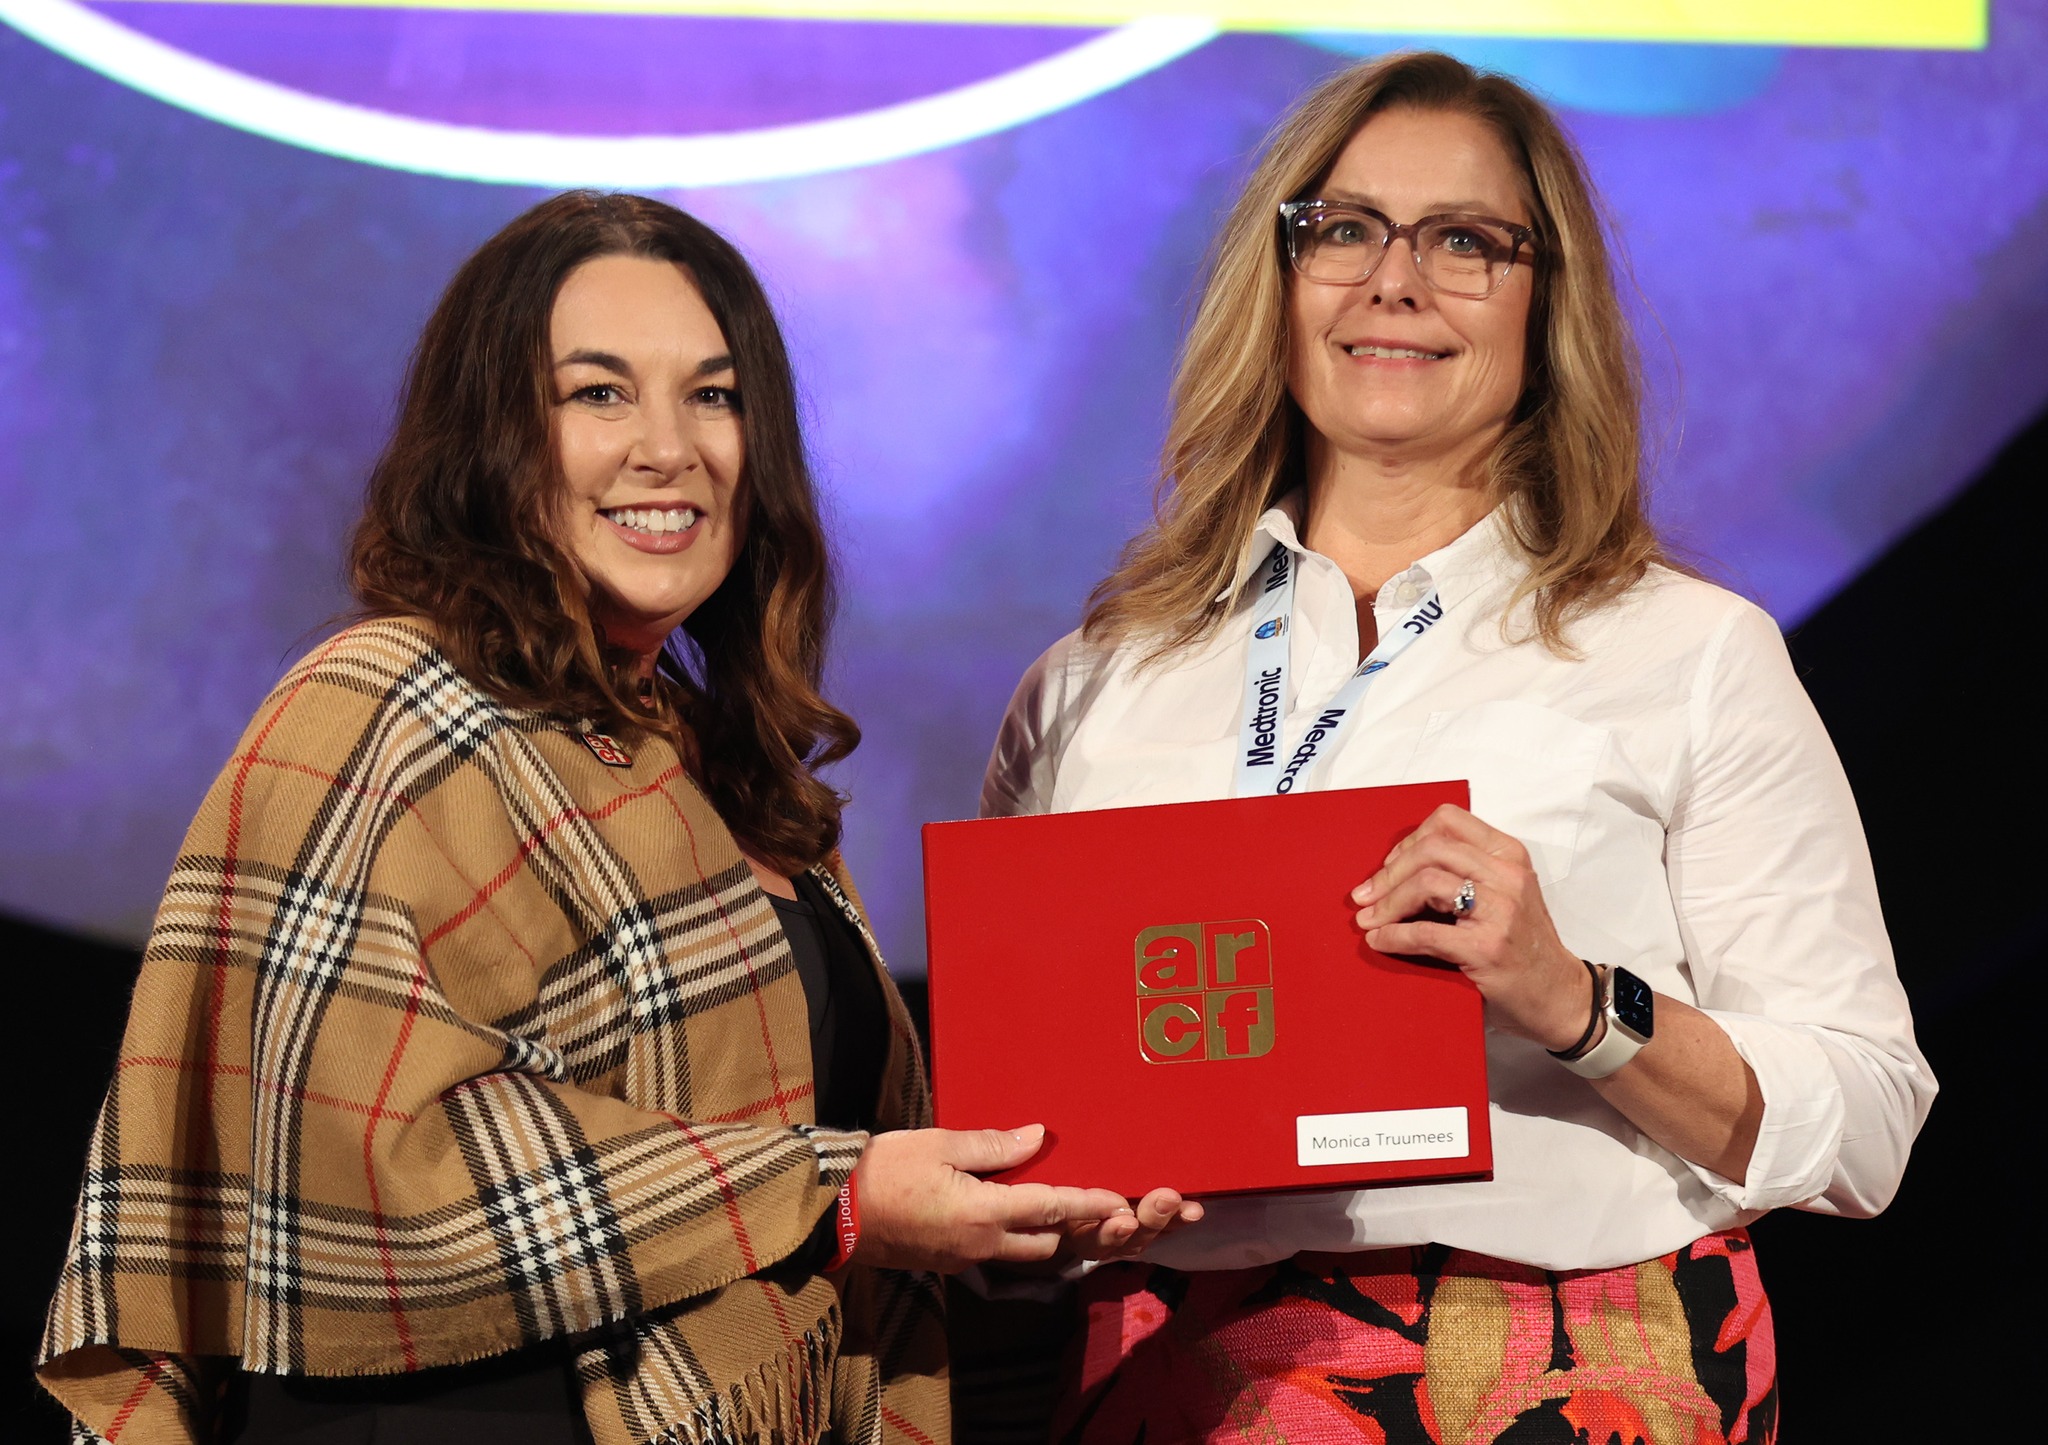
[1428, 1346]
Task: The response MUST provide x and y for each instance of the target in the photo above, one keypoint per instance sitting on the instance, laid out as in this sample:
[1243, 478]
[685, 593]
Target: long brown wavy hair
[1569, 467]
[462, 528]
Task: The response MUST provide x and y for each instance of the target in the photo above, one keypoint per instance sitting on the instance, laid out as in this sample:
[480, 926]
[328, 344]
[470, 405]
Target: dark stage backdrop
[1907, 1327]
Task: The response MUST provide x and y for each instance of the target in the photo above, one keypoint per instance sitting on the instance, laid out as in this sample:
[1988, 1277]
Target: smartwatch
[1629, 1006]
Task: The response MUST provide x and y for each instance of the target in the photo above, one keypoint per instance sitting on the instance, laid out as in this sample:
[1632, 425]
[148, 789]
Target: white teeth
[1396, 353]
[654, 522]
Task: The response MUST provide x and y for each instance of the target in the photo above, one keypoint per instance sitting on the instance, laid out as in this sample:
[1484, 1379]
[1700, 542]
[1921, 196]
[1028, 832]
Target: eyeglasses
[1341, 244]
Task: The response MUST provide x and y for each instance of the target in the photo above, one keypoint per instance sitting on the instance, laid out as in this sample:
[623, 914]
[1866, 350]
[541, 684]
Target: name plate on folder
[1180, 995]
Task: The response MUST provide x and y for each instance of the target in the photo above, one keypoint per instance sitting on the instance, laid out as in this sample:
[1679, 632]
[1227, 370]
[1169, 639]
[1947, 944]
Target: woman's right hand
[921, 1206]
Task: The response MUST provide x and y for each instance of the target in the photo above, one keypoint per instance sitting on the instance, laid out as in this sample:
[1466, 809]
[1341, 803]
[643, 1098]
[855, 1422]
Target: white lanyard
[1259, 769]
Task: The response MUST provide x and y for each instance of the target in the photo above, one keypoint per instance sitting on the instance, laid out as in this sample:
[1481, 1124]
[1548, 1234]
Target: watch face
[1634, 1003]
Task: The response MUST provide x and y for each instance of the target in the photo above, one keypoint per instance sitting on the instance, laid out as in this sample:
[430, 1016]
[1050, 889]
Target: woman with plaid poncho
[468, 1089]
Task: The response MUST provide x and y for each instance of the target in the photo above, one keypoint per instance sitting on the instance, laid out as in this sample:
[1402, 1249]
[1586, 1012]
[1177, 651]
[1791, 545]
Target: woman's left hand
[1507, 945]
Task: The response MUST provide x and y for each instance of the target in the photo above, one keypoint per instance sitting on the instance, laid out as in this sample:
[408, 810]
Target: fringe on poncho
[451, 1038]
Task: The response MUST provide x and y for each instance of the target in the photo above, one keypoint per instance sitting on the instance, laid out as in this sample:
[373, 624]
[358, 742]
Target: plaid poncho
[451, 1038]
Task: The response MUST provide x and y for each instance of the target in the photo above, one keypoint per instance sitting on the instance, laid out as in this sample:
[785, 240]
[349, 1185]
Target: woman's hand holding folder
[1690, 1090]
[1131, 1231]
[922, 1205]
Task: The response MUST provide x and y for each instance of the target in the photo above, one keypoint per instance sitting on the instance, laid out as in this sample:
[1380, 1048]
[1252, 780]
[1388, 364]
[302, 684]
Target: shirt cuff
[1801, 1133]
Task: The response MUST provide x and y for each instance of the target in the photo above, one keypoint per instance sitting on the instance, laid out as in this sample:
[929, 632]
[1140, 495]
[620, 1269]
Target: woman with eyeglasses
[511, 1060]
[1410, 392]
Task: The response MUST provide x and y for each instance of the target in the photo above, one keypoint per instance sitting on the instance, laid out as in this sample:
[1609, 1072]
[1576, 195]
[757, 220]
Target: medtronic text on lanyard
[1259, 769]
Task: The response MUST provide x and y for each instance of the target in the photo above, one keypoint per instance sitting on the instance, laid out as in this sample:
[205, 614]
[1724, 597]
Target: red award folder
[1180, 995]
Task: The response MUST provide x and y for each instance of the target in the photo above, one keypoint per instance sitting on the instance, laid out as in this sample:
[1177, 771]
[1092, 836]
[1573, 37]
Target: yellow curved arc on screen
[1902, 24]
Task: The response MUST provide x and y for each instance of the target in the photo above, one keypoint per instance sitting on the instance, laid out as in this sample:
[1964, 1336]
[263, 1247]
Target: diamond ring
[1466, 900]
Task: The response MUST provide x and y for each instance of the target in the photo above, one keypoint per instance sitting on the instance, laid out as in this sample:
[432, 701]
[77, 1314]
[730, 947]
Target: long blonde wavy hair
[1569, 467]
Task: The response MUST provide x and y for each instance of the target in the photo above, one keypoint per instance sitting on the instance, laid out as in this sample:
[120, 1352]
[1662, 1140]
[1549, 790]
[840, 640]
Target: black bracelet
[1592, 1024]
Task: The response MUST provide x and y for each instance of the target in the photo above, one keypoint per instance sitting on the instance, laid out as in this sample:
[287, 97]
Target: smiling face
[647, 428]
[1390, 369]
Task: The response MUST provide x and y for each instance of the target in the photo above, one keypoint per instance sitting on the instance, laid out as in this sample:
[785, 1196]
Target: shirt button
[1408, 594]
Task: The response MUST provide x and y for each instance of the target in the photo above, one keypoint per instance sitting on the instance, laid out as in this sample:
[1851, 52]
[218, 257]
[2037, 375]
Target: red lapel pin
[607, 750]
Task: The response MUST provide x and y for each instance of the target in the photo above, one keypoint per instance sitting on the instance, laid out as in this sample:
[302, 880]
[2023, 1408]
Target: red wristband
[845, 1226]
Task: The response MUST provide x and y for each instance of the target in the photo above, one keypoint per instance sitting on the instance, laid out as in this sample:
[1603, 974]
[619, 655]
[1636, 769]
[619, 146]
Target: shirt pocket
[1532, 771]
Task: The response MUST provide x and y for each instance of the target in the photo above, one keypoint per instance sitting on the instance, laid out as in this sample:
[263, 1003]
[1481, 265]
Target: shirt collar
[1456, 570]
[1278, 523]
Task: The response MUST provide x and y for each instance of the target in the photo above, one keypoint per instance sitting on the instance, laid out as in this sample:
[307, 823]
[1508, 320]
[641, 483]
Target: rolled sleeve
[1801, 1134]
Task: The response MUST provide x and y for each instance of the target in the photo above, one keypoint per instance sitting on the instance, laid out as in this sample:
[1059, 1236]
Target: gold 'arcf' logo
[1205, 992]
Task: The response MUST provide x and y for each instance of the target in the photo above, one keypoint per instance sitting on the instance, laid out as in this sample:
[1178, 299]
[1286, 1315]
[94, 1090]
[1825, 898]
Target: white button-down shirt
[1686, 816]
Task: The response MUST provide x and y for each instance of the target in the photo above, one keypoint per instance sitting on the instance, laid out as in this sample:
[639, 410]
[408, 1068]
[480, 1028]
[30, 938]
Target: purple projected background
[201, 332]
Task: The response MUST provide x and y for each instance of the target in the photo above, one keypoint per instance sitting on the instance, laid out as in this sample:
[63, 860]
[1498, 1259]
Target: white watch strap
[1616, 1047]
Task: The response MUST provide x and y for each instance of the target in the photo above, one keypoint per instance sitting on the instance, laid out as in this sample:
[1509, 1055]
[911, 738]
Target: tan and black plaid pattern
[450, 1038]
